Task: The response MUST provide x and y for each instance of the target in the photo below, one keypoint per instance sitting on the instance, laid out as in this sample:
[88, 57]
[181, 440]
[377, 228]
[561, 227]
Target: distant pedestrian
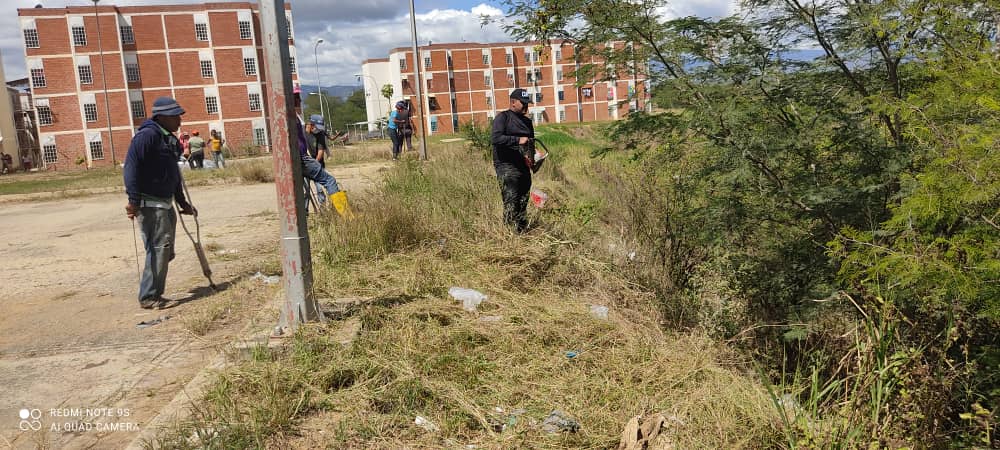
[404, 126]
[184, 139]
[512, 130]
[215, 142]
[152, 183]
[197, 146]
[394, 135]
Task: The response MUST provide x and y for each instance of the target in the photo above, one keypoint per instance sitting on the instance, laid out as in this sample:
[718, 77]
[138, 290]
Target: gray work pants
[158, 227]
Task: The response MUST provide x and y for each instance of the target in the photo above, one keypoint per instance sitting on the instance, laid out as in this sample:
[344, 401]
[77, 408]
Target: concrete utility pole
[424, 120]
[104, 79]
[296, 258]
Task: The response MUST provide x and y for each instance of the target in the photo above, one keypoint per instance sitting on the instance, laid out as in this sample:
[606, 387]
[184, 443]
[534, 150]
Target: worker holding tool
[514, 158]
[312, 170]
[152, 182]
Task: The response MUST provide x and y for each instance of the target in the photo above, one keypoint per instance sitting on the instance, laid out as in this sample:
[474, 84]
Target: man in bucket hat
[152, 183]
[311, 169]
[512, 129]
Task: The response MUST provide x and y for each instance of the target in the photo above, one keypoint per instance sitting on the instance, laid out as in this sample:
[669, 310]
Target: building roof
[374, 60]
[470, 45]
[213, 6]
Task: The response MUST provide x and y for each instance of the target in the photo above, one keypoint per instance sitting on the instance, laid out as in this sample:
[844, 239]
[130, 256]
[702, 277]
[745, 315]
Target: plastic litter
[427, 425]
[572, 354]
[491, 319]
[149, 323]
[266, 279]
[231, 251]
[599, 311]
[538, 198]
[470, 298]
[558, 421]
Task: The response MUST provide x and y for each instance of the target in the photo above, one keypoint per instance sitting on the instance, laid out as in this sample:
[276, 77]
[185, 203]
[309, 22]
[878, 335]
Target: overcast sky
[352, 30]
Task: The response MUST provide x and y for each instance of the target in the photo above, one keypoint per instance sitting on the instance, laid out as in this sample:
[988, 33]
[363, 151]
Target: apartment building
[471, 82]
[207, 56]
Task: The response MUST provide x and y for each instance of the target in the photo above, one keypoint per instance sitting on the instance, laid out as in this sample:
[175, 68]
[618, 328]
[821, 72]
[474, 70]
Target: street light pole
[319, 85]
[378, 98]
[416, 67]
[104, 79]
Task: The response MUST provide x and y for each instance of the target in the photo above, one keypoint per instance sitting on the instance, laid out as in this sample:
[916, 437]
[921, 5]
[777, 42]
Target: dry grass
[431, 226]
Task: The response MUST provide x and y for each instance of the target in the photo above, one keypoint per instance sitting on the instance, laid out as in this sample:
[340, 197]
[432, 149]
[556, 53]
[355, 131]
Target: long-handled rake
[198, 250]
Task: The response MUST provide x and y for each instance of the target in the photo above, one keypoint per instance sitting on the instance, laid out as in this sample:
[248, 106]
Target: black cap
[522, 95]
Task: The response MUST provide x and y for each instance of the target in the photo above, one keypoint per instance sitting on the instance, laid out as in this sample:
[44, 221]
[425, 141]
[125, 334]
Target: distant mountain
[341, 91]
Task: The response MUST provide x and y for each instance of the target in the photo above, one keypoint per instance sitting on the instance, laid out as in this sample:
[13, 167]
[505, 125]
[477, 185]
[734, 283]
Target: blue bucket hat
[401, 105]
[166, 106]
[317, 121]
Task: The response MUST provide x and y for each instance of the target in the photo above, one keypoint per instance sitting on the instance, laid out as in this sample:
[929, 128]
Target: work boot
[153, 302]
[339, 201]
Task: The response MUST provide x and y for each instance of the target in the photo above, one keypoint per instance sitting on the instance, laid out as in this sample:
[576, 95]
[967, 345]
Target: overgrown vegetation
[489, 377]
[836, 216]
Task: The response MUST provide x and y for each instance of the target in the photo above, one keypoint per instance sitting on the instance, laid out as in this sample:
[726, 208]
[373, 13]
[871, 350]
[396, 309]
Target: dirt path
[70, 351]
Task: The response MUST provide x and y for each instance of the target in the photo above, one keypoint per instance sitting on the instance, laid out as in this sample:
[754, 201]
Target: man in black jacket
[512, 130]
[152, 182]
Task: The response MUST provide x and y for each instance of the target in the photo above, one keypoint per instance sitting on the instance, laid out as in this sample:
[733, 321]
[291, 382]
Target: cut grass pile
[489, 377]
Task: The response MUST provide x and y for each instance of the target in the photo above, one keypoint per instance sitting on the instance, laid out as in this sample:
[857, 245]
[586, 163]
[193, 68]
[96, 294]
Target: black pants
[515, 184]
[197, 160]
[396, 142]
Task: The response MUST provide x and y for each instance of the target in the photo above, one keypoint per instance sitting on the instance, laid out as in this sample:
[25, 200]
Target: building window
[288, 27]
[488, 80]
[562, 96]
[49, 154]
[258, 137]
[250, 67]
[96, 150]
[31, 37]
[245, 30]
[559, 75]
[79, 36]
[427, 62]
[402, 64]
[291, 61]
[212, 104]
[201, 31]
[611, 110]
[138, 108]
[434, 125]
[44, 115]
[132, 72]
[86, 74]
[527, 73]
[489, 100]
[538, 74]
[562, 115]
[510, 78]
[128, 36]
[405, 84]
[430, 84]
[90, 112]
[38, 78]
[254, 101]
[538, 97]
[432, 103]
[206, 69]
[486, 59]
[454, 123]
[510, 59]
[558, 58]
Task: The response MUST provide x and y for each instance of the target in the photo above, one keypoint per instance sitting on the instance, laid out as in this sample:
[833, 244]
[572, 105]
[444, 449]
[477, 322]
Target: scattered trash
[266, 279]
[641, 434]
[425, 424]
[572, 354]
[631, 255]
[470, 298]
[231, 251]
[599, 311]
[491, 319]
[149, 323]
[558, 421]
[500, 420]
[538, 198]
[278, 331]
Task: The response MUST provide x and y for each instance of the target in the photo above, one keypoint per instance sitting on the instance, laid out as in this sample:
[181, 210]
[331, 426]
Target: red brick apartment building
[207, 56]
[471, 82]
